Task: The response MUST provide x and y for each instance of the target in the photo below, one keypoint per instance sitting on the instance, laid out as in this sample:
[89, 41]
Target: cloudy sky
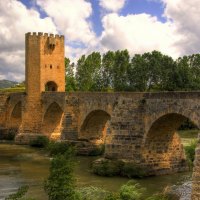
[170, 26]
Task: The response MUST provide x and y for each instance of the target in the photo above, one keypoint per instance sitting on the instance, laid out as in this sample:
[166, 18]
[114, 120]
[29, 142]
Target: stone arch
[52, 121]
[51, 86]
[163, 151]
[16, 116]
[94, 126]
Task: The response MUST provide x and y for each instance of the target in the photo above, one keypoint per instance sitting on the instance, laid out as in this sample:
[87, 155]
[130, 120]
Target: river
[21, 165]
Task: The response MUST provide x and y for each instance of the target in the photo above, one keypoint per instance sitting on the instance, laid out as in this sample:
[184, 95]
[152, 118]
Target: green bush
[112, 168]
[107, 168]
[40, 141]
[91, 193]
[98, 150]
[112, 196]
[131, 170]
[158, 197]
[166, 194]
[190, 152]
[55, 148]
[130, 191]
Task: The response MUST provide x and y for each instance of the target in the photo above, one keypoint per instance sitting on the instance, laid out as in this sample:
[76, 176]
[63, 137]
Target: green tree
[184, 78]
[107, 66]
[70, 77]
[61, 183]
[120, 68]
[137, 74]
[193, 62]
[88, 72]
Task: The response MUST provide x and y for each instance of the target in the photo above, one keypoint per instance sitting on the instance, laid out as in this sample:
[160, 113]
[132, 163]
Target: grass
[187, 136]
[14, 89]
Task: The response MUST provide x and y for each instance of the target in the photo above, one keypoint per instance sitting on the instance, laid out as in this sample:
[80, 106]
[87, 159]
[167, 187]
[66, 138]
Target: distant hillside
[7, 83]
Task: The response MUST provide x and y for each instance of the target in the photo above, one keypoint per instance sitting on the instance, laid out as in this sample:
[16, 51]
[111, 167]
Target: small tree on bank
[61, 183]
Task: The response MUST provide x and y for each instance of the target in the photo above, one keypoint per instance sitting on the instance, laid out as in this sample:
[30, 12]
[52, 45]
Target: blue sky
[169, 26]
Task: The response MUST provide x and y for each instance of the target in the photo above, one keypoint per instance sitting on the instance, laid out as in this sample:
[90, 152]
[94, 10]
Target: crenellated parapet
[45, 35]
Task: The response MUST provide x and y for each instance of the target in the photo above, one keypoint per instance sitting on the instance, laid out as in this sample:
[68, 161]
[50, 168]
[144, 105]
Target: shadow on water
[21, 165]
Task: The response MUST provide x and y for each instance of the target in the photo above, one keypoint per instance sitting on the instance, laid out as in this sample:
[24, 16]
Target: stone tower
[44, 72]
[45, 67]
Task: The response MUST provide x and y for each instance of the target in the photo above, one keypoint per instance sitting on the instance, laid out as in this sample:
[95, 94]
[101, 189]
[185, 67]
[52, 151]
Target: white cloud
[15, 21]
[139, 33]
[71, 18]
[112, 5]
[186, 18]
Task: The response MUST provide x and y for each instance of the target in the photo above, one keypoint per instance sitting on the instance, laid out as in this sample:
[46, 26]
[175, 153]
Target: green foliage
[98, 150]
[91, 193]
[131, 191]
[112, 168]
[55, 148]
[107, 67]
[14, 89]
[107, 168]
[187, 125]
[117, 71]
[19, 194]
[61, 183]
[158, 197]
[40, 141]
[131, 170]
[120, 69]
[112, 196]
[70, 77]
[88, 72]
[164, 195]
[190, 152]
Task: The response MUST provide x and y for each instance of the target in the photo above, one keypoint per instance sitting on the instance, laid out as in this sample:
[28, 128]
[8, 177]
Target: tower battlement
[45, 35]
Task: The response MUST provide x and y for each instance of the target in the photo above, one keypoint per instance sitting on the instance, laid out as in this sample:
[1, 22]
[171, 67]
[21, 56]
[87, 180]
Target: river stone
[183, 191]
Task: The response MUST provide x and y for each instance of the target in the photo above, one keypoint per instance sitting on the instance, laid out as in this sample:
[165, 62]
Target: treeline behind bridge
[118, 71]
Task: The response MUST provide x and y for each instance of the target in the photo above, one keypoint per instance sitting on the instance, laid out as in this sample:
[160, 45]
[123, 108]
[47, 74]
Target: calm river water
[21, 165]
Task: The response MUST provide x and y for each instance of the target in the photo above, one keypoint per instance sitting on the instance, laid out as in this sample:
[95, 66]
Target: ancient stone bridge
[136, 127]
[140, 127]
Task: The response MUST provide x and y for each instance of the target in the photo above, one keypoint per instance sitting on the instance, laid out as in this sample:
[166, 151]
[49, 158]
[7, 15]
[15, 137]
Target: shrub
[112, 196]
[40, 141]
[104, 167]
[98, 150]
[107, 168]
[131, 170]
[130, 191]
[164, 195]
[91, 193]
[190, 152]
[55, 148]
